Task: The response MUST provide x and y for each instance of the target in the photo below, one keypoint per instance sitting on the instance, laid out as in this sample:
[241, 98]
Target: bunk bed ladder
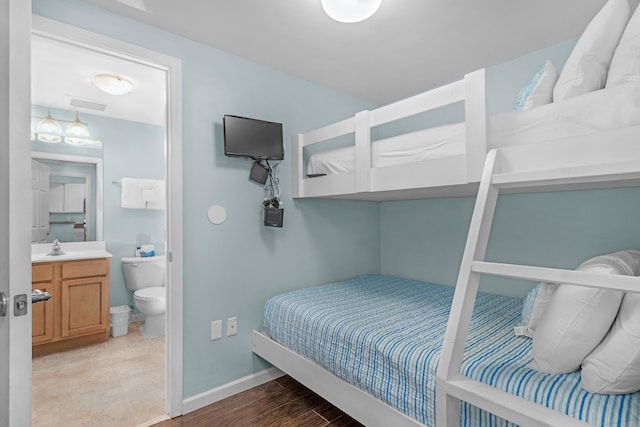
[454, 387]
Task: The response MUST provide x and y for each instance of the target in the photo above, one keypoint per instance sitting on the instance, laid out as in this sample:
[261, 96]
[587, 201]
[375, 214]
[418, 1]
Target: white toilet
[145, 276]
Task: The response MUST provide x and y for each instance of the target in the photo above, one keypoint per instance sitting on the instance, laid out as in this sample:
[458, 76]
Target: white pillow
[539, 91]
[578, 318]
[587, 66]
[535, 303]
[614, 366]
[625, 64]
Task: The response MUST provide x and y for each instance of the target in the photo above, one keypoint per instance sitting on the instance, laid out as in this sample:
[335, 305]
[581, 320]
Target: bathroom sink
[69, 255]
[40, 252]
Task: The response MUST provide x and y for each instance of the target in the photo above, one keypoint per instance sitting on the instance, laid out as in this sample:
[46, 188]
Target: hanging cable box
[273, 216]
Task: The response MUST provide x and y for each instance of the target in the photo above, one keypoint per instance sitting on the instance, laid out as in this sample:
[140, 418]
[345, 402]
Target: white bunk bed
[588, 141]
[619, 168]
[409, 180]
[447, 160]
[605, 159]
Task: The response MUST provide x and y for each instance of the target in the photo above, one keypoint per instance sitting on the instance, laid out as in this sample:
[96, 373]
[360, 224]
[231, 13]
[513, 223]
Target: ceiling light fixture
[112, 84]
[49, 130]
[350, 11]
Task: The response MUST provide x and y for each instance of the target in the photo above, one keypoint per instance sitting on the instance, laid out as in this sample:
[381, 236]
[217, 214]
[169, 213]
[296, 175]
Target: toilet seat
[150, 294]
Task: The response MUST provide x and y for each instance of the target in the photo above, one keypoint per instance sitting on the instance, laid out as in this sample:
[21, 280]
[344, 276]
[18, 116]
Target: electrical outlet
[216, 330]
[232, 326]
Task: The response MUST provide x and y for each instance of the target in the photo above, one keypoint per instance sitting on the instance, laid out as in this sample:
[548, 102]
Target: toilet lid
[154, 293]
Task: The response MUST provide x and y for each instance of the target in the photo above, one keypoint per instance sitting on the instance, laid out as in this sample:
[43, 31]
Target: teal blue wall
[231, 269]
[424, 239]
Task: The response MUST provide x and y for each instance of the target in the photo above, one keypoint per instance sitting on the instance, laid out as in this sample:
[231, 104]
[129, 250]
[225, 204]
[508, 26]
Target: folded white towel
[132, 194]
[153, 194]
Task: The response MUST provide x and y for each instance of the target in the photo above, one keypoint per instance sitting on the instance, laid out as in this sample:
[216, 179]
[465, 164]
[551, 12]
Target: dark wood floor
[281, 402]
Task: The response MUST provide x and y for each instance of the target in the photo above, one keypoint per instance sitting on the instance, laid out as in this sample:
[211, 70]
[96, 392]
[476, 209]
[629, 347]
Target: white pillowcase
[578, 318]
[539, 91]
[614, 366]
[533, 308]
[587, 66]
[625, 64]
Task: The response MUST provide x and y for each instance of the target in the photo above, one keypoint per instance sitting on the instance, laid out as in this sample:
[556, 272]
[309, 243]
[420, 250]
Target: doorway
[76, 38]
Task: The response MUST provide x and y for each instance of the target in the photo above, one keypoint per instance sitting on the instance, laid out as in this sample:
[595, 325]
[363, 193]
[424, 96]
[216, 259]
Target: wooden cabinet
[42, 313]
[78, 313]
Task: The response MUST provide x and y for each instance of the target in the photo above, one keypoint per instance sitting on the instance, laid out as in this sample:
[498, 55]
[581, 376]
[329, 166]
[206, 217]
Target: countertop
[72, 250]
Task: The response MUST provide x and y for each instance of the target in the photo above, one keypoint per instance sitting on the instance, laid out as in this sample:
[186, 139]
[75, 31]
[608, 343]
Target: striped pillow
[539, 91]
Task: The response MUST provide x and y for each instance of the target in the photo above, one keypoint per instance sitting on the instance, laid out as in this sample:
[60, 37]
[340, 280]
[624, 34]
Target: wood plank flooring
[281, 402]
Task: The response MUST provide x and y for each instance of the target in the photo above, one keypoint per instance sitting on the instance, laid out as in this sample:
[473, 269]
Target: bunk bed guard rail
[471, 90]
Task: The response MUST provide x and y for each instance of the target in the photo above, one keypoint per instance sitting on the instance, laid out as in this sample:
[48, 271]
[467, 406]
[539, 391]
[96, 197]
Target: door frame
[173, 132]
[15, 213]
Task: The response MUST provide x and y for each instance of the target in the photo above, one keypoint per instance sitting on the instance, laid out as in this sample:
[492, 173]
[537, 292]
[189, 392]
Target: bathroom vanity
[78, 312]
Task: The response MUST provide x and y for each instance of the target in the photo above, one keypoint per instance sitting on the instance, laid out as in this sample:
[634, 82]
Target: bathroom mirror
[69, 205]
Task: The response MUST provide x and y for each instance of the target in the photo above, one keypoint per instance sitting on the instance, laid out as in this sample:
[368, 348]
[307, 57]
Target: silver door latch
[20, 303]
[3, 304]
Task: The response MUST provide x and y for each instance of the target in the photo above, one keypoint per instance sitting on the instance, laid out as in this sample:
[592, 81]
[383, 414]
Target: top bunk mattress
[610, 108]
[384, 335]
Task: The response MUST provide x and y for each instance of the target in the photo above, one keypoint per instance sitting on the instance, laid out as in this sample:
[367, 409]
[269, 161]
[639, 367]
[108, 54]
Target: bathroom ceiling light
[48, 125]
[77, 129]
[112, 84]
[49, 130]
[350, 11]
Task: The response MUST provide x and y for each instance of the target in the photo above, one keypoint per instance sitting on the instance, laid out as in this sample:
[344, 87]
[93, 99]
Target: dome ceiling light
[350, 11]
[112, 84]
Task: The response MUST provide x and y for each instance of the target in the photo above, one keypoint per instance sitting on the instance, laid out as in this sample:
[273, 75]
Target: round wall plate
[217, 214]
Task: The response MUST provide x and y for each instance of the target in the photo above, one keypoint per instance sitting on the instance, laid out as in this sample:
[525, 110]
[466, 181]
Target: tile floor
[116, 383]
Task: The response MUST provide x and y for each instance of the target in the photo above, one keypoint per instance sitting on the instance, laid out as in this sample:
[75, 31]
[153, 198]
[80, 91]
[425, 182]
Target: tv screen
[257, 139]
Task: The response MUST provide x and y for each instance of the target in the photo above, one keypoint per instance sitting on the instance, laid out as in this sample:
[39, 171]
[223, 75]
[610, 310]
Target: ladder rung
[623, 171]
[555, 275]
[507, 405]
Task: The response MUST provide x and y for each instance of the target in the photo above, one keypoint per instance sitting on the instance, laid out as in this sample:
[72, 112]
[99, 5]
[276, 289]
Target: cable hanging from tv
[273, 211]
[261, 141]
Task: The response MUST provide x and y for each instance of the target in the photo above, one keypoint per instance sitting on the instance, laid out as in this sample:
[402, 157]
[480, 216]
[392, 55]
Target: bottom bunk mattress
[384, 335]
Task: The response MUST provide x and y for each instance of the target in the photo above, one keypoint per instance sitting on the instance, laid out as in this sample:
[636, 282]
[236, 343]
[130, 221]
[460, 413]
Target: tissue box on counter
[145, 250]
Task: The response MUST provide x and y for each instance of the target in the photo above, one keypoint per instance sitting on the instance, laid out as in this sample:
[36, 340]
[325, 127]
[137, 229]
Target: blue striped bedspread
[384, 335]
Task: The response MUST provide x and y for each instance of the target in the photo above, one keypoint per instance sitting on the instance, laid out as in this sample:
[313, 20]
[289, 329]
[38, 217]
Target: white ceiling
[407, 47]
[61, 72]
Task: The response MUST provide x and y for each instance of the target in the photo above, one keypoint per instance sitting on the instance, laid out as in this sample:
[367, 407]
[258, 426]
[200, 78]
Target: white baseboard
[203, 399]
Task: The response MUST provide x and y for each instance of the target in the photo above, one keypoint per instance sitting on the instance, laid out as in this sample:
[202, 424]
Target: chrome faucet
[55, 249]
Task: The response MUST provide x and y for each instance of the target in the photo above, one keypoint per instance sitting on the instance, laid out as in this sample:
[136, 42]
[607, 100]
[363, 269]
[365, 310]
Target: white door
[15, 211]
[40, 198]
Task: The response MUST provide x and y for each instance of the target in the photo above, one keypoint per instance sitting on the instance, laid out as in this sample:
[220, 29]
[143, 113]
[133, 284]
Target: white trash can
[119, 320]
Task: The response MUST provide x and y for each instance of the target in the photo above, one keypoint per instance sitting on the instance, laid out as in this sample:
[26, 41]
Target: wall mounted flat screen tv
[257, 139]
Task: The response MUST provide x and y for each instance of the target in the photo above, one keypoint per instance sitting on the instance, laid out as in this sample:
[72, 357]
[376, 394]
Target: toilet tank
[144, 272]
